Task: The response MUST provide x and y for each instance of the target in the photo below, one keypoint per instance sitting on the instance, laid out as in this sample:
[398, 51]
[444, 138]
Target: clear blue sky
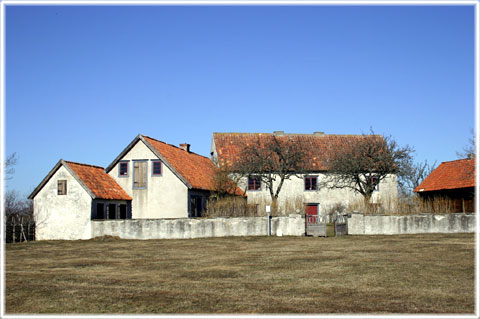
[82, 82]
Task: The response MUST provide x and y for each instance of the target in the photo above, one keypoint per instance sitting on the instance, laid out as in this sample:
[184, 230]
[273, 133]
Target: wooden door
[311, 209]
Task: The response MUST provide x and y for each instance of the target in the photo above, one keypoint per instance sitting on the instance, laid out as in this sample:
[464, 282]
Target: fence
[293, 225]
[359, 224]
[19, 229]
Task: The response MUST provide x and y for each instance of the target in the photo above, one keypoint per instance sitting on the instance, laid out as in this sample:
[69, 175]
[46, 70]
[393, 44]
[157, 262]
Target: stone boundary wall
[178, 228]
[359, 224]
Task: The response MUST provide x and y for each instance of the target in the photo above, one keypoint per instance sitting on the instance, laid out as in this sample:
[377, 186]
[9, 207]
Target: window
[139, 174]
[112, 211]
[376, 182]
[123, 211]
[310, 183]
[123, 169]
[156, 168]
[100, 211]
[62, 187]
[254, 183]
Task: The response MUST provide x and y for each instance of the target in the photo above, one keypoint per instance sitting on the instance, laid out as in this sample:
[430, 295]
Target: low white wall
[293, 225]
[359, 224]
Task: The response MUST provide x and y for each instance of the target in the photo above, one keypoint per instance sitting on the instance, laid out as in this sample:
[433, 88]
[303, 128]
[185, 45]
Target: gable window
[62, 187]
[139, 174]
[156, 168]
[123, 169]
[310, 183]
[254, 183]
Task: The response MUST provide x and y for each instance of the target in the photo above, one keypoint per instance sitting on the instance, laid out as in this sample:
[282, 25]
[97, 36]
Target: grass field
[431, 273]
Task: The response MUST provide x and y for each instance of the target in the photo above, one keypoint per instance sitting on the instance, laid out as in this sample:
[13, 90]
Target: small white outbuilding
[73, 194]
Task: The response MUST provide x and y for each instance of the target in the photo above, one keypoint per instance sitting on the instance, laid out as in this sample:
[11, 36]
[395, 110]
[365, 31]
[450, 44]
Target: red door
[311, 209]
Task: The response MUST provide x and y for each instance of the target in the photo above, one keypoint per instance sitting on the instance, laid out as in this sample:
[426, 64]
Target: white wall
[293, 189]
[359, 224]
[293, 225]
[165, 196]
[62, 216]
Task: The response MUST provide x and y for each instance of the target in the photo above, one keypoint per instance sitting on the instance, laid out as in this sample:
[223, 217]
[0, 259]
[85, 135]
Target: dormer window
[123, 169]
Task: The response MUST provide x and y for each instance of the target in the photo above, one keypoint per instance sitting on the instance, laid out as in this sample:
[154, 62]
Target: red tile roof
[450, 175]
[230, 145]
[100, 183]
[197, 170]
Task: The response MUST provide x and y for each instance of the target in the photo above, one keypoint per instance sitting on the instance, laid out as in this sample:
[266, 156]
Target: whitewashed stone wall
[359, 224]
[62, 216]
[166, 196]
[293, 225]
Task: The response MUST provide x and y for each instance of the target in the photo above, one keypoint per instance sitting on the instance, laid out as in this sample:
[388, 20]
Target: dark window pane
[100, 213]
[254, 183]
[123, 169]
[157, 168]
[112, 214]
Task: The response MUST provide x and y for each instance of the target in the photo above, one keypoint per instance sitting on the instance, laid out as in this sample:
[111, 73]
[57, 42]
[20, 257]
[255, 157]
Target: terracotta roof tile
[100, 183]
[230, 145]
[196, 169]
[450, 175]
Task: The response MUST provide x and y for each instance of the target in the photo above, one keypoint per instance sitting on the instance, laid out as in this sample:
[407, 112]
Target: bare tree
[361, 163]
[10, 163]
[469, 149]
[272, 159]
[413, 174]
[225, 182]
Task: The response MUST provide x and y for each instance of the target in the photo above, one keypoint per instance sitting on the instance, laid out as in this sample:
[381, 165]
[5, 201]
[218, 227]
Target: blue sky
[83, 81]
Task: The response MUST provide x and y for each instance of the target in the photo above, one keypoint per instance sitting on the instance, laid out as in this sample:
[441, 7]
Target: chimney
[278, 133]
[185, 147]
[319, 133]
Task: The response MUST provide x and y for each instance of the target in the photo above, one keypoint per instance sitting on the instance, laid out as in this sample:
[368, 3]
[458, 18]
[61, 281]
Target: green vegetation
[354, 274]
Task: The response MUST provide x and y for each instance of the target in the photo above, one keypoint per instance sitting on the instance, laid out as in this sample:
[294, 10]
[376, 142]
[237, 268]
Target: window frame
[120, 169]
[310, 177]
[63, 189]
[254, 178]
[153, 167]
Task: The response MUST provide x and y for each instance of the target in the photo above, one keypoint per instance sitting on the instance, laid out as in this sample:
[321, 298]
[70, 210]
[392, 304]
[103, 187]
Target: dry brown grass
[365, 274]
[405, 206]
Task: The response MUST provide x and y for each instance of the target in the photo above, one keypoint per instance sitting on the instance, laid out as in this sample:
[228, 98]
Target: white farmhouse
[163, 180]
[227, 147]
[149, 179]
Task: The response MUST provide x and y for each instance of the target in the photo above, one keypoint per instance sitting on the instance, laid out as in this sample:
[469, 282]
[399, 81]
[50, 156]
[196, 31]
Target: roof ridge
[293, 134]
[460, 159]
[83, 164]
[181, 149]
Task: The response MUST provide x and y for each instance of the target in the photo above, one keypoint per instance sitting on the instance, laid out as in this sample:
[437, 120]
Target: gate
[341, 225]
[316, 225]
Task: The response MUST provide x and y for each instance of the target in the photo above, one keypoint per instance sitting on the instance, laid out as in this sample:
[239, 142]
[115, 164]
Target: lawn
[431, 273]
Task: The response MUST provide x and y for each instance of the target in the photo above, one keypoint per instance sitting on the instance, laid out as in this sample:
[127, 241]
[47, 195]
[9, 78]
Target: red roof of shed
[450, 175]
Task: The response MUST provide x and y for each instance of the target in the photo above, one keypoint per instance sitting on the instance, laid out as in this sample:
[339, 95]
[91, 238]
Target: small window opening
[62, 187]
[156, 168]
[100, 211]
[112, 211]
[123, 211]
[254, 183]
[123, 169]
[310, 183]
